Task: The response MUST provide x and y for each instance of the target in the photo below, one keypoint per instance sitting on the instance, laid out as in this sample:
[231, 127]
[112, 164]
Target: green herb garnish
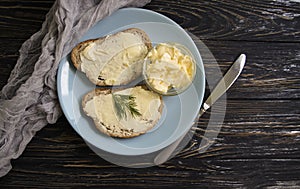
[124, 104]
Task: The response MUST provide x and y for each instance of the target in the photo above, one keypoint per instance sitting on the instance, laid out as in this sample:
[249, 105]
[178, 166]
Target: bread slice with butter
[115, 59]
[100, 105]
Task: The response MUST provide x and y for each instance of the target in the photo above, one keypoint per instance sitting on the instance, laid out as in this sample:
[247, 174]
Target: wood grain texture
[250, 151]
[20, 19]
[271, 68]
[236, 20]
[259, 142]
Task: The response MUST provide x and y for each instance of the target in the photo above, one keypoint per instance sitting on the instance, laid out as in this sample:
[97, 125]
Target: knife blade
[225, 83]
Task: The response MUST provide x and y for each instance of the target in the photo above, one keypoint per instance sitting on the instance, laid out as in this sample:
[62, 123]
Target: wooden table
[259, 142]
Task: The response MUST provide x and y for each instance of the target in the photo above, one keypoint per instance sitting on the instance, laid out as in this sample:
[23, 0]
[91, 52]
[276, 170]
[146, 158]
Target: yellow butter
[114, 59]
[102, 108]
[169, 68]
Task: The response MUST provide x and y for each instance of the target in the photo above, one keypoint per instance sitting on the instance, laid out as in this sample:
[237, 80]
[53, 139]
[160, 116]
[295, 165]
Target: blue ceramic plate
[179, 111]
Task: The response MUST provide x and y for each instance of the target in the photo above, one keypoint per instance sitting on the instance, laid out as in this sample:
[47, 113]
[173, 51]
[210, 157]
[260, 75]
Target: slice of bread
[99, 105]
[115, 59]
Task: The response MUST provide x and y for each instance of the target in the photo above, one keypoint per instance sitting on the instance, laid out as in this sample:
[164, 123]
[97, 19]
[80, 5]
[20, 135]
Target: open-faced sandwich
[115, 59]
[123, 113]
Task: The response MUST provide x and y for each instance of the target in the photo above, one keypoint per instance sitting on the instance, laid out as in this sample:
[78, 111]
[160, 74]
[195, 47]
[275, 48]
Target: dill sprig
[124, 104]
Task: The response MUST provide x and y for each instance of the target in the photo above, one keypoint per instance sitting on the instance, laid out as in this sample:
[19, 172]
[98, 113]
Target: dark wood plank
[272, 69]
[235, 19]
[226, 20]
[20, 19]
[248, 146]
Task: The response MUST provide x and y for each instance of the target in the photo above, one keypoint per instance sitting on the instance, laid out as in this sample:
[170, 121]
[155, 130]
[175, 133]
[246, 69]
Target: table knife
[224, 84]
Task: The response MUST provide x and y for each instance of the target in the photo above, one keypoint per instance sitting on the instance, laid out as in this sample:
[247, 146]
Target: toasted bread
[99, 105]
[115, 59]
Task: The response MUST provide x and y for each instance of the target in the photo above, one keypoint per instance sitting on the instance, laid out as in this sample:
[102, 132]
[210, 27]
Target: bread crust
[76, 52]
[101, 126]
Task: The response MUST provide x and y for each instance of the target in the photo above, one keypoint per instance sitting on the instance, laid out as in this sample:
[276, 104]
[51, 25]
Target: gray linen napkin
[29, 100]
